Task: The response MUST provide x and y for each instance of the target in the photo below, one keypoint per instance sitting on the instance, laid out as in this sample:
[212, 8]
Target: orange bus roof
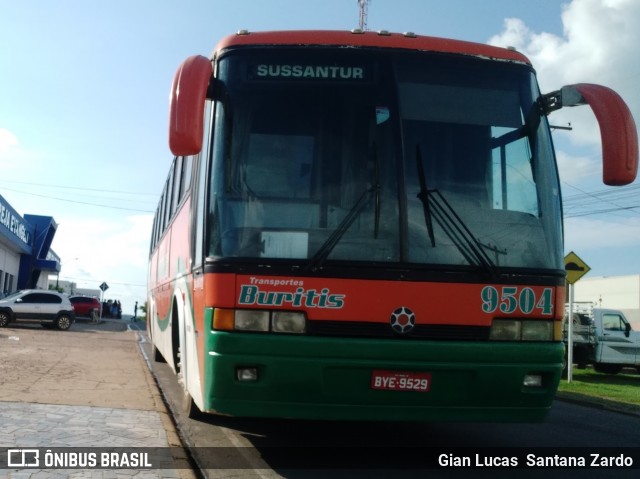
[369, 39]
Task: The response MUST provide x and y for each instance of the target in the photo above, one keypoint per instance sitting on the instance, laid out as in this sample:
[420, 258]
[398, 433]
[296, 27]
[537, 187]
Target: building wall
[71, 288]
[615, 292]
[43, 282]
[9, 266]
[24, 255]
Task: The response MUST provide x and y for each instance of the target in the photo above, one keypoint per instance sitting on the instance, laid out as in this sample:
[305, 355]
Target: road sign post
[576, 269]
[103, 287]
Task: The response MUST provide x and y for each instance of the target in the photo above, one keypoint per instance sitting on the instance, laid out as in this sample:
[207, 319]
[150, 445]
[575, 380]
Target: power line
[589, 203]
[91, 280]
[66, 187]
[581, 201]
[80, 202]
[599, 212]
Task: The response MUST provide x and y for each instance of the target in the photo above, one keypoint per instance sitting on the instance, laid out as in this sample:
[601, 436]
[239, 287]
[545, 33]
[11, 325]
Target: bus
[366, 226]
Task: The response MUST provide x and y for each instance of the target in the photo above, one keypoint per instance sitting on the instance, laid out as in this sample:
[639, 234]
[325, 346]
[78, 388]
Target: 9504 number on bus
[517, 300]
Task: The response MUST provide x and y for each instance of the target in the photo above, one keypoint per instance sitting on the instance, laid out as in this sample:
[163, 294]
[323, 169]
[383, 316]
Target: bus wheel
[157, 355]
[189, 407]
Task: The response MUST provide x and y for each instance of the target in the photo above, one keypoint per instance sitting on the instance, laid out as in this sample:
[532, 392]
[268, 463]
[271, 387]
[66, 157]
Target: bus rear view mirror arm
[617, 128]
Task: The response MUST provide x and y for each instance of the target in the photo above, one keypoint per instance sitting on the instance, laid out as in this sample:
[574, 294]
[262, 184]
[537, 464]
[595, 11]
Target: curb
[599, 403]
[179, 447]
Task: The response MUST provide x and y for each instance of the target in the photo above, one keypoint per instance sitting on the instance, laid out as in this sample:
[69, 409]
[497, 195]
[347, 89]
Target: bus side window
[199, 196]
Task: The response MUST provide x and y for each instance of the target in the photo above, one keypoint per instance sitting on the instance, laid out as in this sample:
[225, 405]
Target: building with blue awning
[26, 257]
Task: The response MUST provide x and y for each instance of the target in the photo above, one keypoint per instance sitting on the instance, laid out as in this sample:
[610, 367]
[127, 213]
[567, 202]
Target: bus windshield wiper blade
[459, 232]
[323, 252]
[423, 196]
[376, 172]
[436, 207]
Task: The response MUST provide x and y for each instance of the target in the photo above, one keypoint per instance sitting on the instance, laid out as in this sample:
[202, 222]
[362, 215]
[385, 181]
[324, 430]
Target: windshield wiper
[423, 196]
[436, 207]
[460, 234]
[323, 252]
[376, 182]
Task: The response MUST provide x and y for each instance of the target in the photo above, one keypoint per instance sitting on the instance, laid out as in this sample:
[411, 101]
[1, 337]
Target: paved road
[86, 387]
[263, 448]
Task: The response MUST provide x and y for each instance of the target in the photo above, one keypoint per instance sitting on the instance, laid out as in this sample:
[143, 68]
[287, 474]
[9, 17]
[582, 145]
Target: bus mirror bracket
[617, 128]
[186, 105]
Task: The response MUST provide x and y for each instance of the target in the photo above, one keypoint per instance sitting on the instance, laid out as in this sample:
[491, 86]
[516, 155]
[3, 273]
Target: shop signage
[14, 223]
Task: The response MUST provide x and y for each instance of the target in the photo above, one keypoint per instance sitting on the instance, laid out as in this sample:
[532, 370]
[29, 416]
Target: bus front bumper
[265, 375]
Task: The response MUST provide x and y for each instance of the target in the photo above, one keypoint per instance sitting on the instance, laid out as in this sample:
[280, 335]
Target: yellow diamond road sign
[575, 267]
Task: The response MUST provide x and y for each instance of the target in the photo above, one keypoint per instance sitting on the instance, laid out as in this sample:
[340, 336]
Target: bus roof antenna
[364, 6]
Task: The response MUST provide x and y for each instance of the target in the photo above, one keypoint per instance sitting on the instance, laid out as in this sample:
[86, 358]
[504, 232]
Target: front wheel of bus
[189, 407]
[155, 352]
[157, 355]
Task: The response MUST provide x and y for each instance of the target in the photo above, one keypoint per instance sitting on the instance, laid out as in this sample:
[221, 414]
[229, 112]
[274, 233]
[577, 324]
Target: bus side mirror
[186, 105]
[617, 128]
[627, 329]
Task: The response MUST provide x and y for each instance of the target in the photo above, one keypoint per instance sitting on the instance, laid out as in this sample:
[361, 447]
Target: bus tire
[157, 355]
[189, 407]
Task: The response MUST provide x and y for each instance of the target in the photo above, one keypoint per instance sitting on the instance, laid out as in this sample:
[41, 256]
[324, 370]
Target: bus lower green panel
[330, 378]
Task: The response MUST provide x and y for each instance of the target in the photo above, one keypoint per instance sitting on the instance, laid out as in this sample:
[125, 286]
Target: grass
[622, 388]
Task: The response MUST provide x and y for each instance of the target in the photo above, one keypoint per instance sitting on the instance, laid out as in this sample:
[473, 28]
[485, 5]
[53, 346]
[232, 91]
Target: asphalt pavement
[88, 387]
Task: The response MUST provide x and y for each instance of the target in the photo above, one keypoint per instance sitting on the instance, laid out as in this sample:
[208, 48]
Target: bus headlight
[505, 330]
[537, 330]
[288, 322]
[250, 320]
[254, 320]
[521, 330]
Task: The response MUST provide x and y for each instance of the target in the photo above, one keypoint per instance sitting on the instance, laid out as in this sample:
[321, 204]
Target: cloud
[115, 251]
[575, 168]
[600, 44]
[7, 140]
[593, 233]
[14, 157]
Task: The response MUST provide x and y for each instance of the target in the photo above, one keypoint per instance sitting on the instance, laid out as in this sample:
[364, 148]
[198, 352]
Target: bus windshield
[330, 156]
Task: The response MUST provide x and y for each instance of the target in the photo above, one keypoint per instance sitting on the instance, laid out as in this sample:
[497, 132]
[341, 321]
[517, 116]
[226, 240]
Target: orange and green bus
[366, 226]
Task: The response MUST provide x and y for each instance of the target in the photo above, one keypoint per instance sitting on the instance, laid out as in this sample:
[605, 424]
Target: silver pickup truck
[603, 338]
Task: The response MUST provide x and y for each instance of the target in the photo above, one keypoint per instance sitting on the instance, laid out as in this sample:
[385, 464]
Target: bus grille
[436, 332]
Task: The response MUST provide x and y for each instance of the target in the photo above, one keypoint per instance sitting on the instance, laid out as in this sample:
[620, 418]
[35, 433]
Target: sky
[84, 90]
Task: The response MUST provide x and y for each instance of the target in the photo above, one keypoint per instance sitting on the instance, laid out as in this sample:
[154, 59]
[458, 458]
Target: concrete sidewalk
[86, 387]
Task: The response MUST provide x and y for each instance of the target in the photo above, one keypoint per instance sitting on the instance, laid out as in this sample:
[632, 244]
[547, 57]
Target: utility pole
[364, 6]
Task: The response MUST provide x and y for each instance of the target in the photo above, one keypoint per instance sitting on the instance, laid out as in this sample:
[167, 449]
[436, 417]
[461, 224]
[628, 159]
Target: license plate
[401, 381]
